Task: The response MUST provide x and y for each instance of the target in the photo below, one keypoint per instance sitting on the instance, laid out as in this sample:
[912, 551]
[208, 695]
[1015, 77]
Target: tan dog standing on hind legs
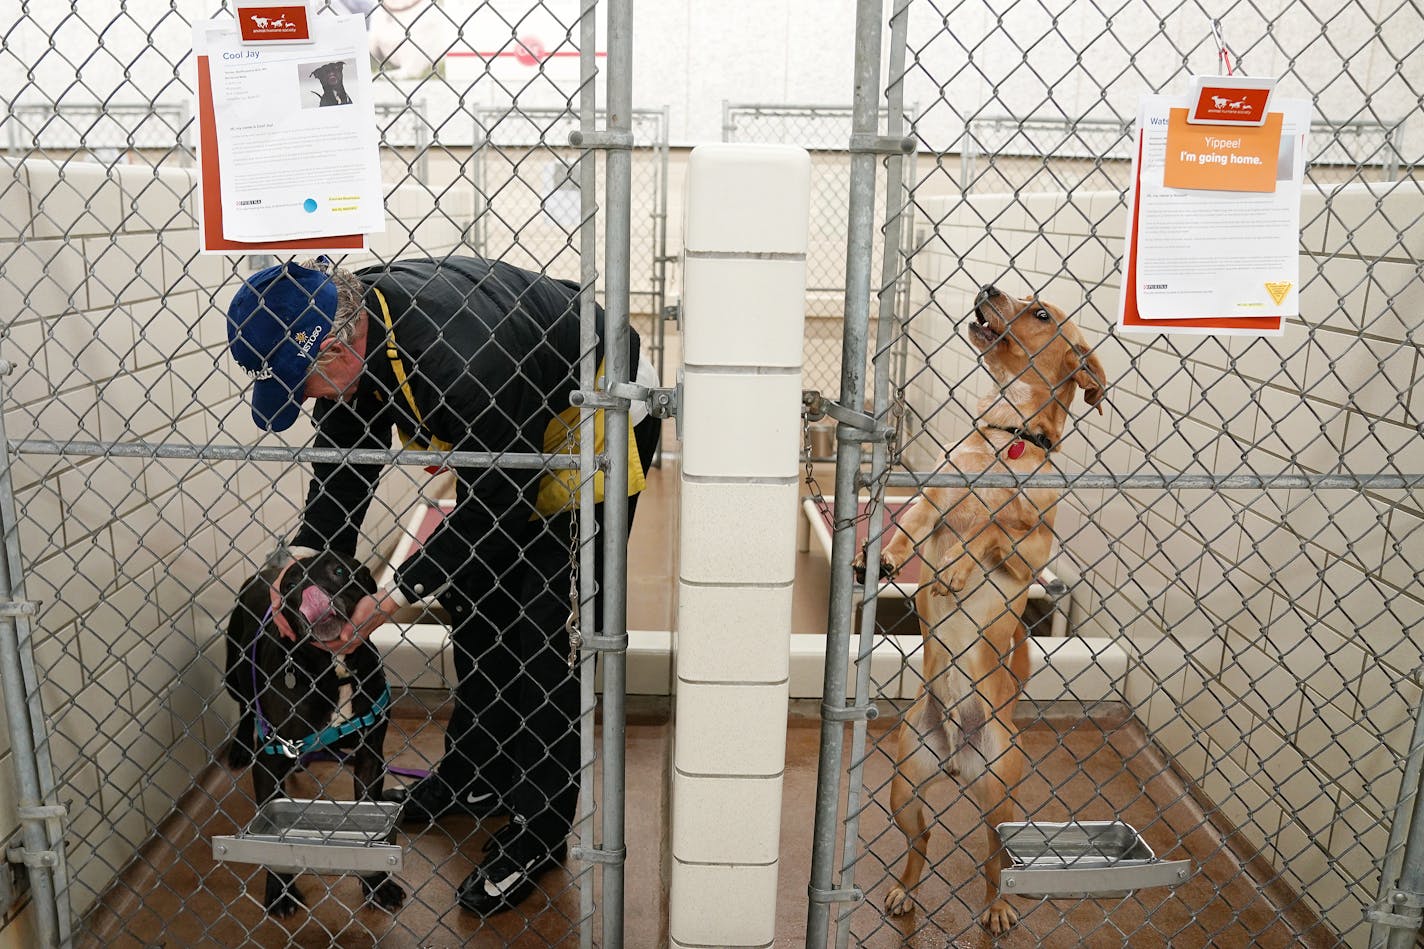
[976, 656]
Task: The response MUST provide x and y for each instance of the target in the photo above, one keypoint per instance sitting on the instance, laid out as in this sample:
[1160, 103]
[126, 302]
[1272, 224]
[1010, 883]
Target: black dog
[333, 88]
[289, 691]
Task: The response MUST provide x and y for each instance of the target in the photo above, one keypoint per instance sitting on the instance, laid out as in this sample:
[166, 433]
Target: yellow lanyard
[558, 490]
[402, 379]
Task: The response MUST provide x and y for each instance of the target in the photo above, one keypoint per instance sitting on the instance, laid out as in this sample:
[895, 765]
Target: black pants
[514, 731]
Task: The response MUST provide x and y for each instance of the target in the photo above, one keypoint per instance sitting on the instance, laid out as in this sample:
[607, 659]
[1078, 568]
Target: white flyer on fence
[1203, 252]
[296, 133]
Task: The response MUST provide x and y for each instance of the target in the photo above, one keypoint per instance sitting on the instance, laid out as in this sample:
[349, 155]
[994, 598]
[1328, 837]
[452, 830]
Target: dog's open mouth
[323, 620]
[981, 332]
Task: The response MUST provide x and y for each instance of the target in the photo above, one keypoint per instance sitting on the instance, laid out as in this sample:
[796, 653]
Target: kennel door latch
[662, 403]
[815, 406]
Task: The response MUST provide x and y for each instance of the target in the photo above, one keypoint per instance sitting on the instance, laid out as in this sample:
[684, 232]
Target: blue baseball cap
[275, 327]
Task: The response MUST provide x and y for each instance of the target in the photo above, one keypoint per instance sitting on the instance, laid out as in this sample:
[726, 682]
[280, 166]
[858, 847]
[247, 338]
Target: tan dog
[976, 658]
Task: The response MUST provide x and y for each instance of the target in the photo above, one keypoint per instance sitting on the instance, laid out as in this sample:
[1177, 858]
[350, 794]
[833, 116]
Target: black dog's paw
[282, 900]
[239, 754]
[384, 894]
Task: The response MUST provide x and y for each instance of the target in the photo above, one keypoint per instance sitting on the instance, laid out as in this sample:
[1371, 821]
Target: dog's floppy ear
[365, 581]
[1090, 377]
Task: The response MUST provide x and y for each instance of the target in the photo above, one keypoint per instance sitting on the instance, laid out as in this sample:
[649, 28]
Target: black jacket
[492, 353]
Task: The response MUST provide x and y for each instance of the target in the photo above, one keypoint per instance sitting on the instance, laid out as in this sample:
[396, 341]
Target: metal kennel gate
[134, 503]
[1241, 679]
[526, 165]
[822, 130]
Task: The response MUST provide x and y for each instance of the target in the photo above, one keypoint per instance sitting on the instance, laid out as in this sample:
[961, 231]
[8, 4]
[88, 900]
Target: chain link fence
[405, 142]
[153, 134]
[137, 498]
[1017, 154]
[825, 131]
[1240, 527]
[526, 175]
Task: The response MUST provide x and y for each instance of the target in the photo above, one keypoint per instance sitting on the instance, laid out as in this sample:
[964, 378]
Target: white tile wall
[73, 200]
[1376, 220]
[705, 745]
[23, 344]
[42, 278]
[122, 269]
[741, 534]
[14, 200]
[135, 563]
[730, 634]
[157, 199]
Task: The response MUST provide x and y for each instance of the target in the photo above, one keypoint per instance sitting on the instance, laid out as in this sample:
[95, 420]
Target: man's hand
[370, 614]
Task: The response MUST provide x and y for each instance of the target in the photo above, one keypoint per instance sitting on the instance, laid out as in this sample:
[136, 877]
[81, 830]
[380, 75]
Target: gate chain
[877, 488]
[893, 449]
[571, 625]
[807, 415]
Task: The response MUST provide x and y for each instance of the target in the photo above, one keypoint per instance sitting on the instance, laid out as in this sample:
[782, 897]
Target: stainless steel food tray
[297, 834]
[1082, 858]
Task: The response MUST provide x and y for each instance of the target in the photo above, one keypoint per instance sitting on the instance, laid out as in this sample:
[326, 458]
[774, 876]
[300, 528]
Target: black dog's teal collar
[273, 744]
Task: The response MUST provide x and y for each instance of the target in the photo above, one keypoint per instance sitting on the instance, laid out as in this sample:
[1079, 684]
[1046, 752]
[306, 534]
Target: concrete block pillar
[743, 308]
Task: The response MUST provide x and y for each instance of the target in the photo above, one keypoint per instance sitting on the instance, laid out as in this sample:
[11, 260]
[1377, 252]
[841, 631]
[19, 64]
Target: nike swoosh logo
[505, 885]
[473, 798]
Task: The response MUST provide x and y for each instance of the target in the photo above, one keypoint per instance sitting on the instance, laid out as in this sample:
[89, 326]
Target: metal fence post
[888, 328]
[40, 827]
[1402, 864]
[860, 232]
[617, 229]
[588, 525]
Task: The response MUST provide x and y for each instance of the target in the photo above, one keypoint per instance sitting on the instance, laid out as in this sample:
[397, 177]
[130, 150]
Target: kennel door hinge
[608, 140]
[867, 143]
[52, 815]
[605, 643]
[1405, 911]
[594, 855]
[849, 713]
[32, 858]
[17, 607]
[853, 895]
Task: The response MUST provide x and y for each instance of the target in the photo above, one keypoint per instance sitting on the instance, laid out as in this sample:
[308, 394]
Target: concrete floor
[178, 896]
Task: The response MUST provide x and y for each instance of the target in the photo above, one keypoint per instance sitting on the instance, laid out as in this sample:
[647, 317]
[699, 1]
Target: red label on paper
[277, 22]
[1217, 103]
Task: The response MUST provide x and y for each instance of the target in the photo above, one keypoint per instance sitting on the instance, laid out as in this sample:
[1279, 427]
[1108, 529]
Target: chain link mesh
[824, 130]
[1239, 679]
[1247, 695]
[145, 500]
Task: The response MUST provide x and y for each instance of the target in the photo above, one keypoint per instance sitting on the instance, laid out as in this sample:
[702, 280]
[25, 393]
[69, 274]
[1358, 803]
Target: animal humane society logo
[274, 23]
[1233, 105]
